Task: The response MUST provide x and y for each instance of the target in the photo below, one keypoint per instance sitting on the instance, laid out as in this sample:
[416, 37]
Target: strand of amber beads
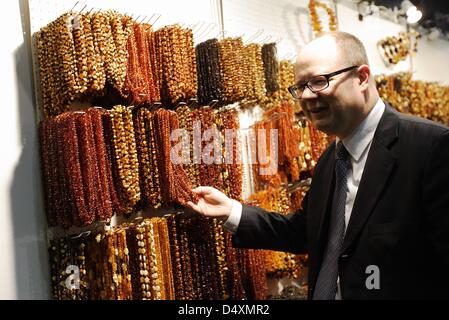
[271, 67]
[286, 79]
[69, 154]
[44, 71]
[152, 277]
[95, 67]
[143, 156]
[120, 31]
[66, 53]
[49, 168]
[126, 154]
[166, 259]
[175, 251]
[89, 167]
[315, 19]
[118, 203]
[154, 181]
[80, 53]
[220, 249]
[210, 85]
[235, 169]
[102, 163]
[186, 259]
[255, 73]
[102, 31]
[144, 271]
[232, 69]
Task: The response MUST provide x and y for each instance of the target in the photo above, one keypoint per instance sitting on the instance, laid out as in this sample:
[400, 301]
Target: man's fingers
[194, 206]
[202, 190]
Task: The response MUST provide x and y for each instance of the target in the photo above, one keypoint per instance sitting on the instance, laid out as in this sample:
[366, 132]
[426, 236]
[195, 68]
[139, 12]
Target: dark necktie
[326, 285]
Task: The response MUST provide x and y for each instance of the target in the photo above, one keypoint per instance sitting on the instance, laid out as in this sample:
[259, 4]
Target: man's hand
[212, 203]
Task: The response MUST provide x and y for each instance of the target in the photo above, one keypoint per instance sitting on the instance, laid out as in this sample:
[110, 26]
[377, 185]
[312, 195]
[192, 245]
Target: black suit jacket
[399, 222]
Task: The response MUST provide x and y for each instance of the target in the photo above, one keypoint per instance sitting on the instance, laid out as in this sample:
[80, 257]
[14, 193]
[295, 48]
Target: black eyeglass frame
[327, 76]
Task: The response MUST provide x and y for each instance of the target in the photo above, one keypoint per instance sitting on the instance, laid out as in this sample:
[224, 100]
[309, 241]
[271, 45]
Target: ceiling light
[412, 13]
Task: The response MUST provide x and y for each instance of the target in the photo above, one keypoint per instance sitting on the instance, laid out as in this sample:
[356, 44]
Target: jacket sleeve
[260, 229]
[436, 204]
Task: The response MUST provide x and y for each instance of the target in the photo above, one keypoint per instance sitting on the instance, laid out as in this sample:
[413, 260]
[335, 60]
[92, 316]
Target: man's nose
[308, 94]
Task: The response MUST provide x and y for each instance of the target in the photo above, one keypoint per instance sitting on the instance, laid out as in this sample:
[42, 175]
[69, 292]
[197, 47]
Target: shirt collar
[359, 140]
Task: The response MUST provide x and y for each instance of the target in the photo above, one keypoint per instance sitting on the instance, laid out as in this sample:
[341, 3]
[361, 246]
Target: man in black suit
[375, 221]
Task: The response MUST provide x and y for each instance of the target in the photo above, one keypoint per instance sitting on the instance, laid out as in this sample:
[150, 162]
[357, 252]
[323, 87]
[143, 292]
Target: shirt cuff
[232, 223]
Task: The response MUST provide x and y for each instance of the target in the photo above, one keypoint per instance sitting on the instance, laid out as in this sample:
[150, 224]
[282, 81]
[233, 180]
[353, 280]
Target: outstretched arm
[254, 227]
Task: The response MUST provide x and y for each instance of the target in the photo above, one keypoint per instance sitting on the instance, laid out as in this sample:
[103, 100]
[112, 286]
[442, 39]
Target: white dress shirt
[358, 145]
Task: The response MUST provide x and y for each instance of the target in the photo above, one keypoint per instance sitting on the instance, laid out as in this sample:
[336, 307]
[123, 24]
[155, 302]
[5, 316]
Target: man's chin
[323, 126]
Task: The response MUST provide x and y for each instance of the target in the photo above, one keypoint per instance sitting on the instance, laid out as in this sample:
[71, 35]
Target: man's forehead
[319, 64]
[318, 56]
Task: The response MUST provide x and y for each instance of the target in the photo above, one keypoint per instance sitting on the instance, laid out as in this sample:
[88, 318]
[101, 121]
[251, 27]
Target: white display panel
[171, 11]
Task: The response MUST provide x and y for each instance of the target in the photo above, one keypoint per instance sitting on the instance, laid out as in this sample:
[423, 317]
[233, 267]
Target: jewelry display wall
[105, 166]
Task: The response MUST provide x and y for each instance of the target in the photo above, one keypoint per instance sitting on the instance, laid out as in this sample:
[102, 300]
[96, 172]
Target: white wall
[23, 252]
[432, 61]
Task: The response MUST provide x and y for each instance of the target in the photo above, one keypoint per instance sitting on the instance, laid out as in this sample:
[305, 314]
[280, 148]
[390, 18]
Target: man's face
[337, 108]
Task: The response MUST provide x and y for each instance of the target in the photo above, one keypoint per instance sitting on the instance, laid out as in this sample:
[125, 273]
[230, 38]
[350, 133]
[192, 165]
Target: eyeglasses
[315, 84]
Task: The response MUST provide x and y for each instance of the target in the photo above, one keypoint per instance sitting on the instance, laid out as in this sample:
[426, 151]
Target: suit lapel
[327, 184]
[378, 167]
[324, 181]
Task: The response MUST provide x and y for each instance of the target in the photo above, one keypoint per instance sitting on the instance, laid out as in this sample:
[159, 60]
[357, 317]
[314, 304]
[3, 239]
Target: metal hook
[207, 30]
[241, 36]
[222, 33]
[83, 8]
[192, 103]
[255, 36]
[198, 25]
[200, 31]
[74, 6]
[279, 40]
[82, 234]
[213, 103]
[151, 18]
[143, 19]
[147, 21]
[159, 15]
[288, 56]
[155, 106]
[267, 38]
[180, 104]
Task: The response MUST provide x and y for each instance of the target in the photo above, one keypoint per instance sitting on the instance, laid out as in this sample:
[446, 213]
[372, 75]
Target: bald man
[375, 221]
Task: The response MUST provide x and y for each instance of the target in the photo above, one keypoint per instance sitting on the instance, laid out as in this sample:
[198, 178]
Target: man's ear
[363, 74]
